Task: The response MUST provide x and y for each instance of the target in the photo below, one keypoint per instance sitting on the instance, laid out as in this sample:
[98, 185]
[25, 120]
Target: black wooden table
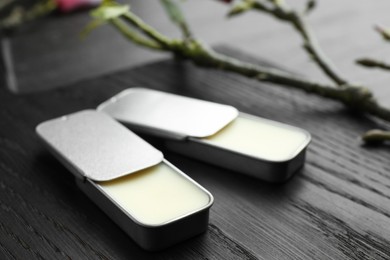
[337, 207]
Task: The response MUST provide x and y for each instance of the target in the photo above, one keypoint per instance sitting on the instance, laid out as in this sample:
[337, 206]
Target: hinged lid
[95, 146]
[167, 114]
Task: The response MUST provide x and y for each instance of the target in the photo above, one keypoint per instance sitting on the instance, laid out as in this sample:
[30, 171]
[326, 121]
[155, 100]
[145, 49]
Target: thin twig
[146, 29]
[134, 36]
[310, 44]
[355, 97]
[371, 63]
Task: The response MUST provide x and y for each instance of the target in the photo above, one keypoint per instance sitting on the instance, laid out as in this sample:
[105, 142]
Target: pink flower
[66, 6]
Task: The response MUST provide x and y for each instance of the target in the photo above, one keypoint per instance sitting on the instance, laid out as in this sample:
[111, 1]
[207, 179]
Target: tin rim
[138, 222]
[299, 149]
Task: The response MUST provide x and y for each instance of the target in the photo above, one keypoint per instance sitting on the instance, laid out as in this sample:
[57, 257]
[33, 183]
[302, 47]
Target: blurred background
[49, 52]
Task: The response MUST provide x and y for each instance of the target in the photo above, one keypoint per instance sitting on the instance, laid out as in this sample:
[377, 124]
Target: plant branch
[146, 29]
[371, 63]
[354, 97]
[134, 36]
[310, 44]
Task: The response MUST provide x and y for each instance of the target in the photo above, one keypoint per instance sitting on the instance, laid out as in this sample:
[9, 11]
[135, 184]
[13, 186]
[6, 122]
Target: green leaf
[173, 11]
[177, 17]
[107, 12]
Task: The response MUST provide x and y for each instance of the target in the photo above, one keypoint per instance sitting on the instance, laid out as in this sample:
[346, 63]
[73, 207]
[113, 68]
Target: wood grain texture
[337, 207]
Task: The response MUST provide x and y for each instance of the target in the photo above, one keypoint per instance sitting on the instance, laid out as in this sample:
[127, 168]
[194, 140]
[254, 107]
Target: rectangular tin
[268, 170]
[150, 237]
[146, 111]
[83, 141]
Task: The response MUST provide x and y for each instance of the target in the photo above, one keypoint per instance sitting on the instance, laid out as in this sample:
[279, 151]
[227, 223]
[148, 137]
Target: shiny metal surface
[254, 166]
[269, 171]
[97, 148]
[131, 107]
[94, 145]
[167, 114]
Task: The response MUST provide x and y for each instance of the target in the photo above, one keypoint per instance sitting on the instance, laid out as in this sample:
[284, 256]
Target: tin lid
[94, 145]
[170, 115]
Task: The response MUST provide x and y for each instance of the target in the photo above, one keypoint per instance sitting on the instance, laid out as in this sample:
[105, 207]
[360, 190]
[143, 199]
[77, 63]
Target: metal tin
[99, 150]
[158, 113]
[167, 115]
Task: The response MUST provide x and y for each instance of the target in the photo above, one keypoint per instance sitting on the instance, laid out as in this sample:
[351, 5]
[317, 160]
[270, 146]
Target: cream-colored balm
[260, 138]
[156, 195]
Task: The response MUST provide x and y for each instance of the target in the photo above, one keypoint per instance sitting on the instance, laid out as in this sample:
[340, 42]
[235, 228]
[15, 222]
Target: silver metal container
[194, 128]
[105, 158]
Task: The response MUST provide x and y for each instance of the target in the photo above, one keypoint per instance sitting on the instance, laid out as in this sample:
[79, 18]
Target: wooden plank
[337, 207]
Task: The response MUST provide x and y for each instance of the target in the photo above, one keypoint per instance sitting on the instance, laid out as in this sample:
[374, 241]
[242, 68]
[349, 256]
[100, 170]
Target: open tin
[211, 132]
[155, 203]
